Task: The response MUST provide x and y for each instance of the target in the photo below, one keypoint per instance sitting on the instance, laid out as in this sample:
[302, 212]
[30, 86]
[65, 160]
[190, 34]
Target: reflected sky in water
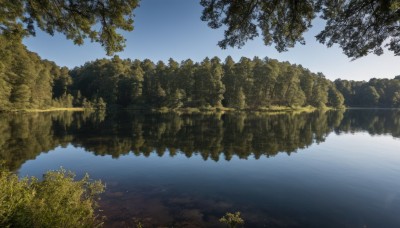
[324, 185]
[346, 175]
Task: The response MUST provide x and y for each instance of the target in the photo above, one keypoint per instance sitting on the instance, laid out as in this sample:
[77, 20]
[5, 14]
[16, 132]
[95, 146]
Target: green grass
[52, 109]
[189, 110]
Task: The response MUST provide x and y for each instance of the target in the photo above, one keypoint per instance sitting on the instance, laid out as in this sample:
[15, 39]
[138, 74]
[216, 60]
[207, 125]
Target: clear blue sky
[173, 28]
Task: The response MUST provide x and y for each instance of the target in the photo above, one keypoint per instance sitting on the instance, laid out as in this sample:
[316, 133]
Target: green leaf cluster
[232, 220]
[78, 20]
[56, 201]
[358, 27]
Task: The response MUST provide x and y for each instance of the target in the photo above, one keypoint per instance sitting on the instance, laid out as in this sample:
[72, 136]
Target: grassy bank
[271, 109]
[189, 110]
[53, 109]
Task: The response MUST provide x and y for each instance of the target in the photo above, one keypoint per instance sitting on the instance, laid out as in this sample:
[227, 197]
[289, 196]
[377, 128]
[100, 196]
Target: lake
[320, 169]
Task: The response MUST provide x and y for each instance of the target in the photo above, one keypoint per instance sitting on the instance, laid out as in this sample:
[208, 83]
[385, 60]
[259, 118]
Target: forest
[28, 82]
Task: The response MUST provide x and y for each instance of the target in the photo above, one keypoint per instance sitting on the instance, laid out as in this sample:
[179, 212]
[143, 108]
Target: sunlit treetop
[78, 20]
[359, 27]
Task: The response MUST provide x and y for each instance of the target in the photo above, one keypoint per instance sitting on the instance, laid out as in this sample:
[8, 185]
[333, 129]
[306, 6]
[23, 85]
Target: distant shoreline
[273, 109]
[75, 109]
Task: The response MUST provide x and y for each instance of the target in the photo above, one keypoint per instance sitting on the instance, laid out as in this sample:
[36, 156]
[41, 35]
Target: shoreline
[271, 110]
[75, 109]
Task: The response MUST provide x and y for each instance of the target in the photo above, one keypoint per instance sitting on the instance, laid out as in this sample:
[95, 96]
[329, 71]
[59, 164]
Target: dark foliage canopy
[359, 27]
[77, 19]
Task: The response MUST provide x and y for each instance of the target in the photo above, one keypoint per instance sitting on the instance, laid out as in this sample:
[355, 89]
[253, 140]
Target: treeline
[247, 84]
[27, 81]
[374, 93]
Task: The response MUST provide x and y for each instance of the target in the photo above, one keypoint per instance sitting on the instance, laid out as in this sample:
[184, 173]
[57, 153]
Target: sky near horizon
[173, 29]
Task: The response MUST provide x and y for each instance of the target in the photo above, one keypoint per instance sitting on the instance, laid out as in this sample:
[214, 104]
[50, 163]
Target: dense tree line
[374, 93]
[27, 81]
[248, 84]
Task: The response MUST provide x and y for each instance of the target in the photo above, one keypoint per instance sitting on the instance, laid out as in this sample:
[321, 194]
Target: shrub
[232, 220]
[57, 201]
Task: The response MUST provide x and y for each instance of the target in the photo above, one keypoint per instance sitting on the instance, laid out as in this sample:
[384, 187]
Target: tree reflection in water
[25, 135]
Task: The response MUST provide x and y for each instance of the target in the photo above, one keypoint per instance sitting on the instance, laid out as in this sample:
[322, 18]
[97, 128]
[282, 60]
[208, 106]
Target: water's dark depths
[323, 169]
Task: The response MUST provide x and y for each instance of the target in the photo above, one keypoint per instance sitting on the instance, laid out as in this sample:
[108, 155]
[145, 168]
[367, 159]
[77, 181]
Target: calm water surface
[324, 169]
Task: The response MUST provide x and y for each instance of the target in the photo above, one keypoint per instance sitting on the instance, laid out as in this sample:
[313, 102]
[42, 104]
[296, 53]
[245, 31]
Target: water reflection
[375, 122]
[347, 181]
[24, 136]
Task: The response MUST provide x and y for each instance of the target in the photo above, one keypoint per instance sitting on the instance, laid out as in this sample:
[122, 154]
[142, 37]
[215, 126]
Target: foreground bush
[57, 201]
[232, 220]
